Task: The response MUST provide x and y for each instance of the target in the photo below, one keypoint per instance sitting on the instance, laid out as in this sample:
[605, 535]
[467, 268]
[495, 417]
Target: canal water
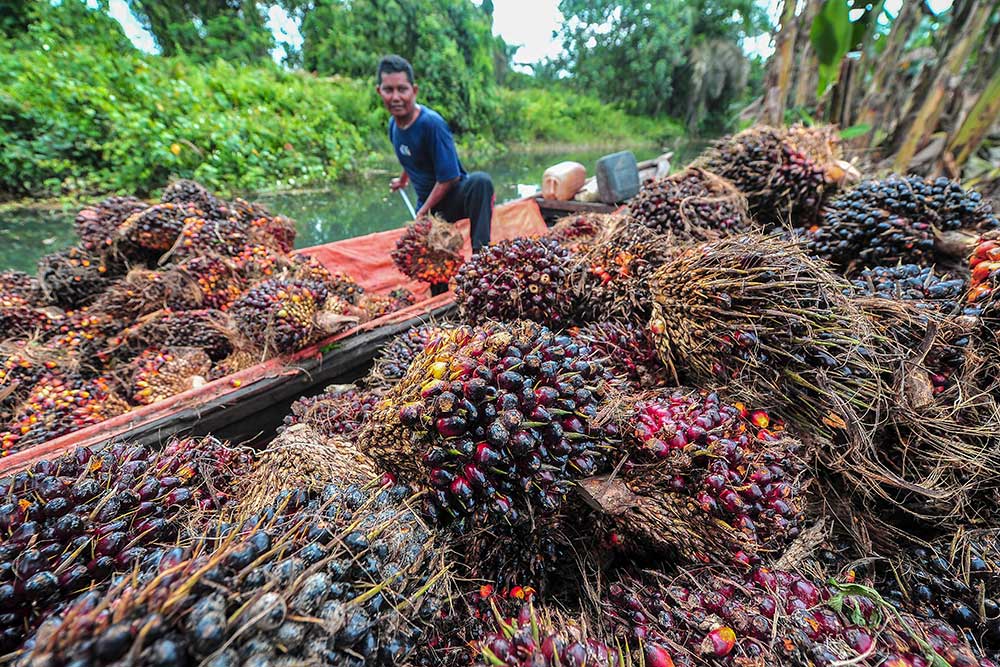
[348, 209]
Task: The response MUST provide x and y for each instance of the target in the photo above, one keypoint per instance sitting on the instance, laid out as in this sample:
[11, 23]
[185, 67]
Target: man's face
[398, 94]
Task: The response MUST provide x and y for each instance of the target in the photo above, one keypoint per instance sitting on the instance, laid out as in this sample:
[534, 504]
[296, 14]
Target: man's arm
[438, 192]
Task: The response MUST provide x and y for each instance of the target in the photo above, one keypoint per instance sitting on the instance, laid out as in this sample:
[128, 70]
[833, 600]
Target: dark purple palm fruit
[496, 420]
[395, 358]
[209, 330]
[782, 183]
[691, 205]
[187, 192]
[74, 278]
[20, 284]
[157, 227]
[515, 279]
[97, 225]
[628, 352]
[279, 315]
[339, 411]
[703, 481]
[911, 282]
[778, 617]
[76, 522]
[899, 220]
[345, 575]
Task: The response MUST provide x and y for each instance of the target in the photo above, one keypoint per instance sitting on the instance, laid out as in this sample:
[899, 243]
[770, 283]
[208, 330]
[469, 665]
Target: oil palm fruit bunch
[779, 617]
[157, 227]
[704, 481]
[782, 184]
[693, 204]
[759, 312]
[307, 267]
[279, 315]
[496, 420]
[404, 296]
[201, 236]
[628, 353]
[395, 358]
[160, 373]
[430, 249]
[897, 220]
[217, 280]
[912, 282]
[378, 305]
[348, 576]
[19, 283]
[236, 361]
[204, 328]
[984, 264]
[275, 231]
[520, 278]
[539, 639]
[77, 521]
[573, 231]
[610, 277]
[73, 278]
[20, 370]
[143, 291]
[97, 225]
[59, 404]
[339, 410]
[259, 262]
[187, 192]
[87, 334]
[19, 317]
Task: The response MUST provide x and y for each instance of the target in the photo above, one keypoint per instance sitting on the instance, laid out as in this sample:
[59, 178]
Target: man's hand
[396, 184]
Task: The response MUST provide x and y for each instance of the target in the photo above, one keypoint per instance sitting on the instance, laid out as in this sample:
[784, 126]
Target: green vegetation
[84, 112]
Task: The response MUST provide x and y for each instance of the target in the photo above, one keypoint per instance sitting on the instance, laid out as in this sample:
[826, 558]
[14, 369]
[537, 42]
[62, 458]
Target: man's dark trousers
[472, 198]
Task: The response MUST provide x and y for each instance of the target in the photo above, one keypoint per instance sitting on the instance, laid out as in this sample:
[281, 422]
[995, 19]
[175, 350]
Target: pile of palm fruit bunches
[688, 433]
[156, 299]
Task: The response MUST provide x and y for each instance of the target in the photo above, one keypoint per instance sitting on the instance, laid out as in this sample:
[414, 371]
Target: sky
[526, 23]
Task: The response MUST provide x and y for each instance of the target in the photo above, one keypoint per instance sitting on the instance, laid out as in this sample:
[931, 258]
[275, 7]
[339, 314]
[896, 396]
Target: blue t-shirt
[427, 152]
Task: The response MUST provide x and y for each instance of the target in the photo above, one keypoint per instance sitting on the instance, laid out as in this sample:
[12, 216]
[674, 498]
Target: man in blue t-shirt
[425, 148]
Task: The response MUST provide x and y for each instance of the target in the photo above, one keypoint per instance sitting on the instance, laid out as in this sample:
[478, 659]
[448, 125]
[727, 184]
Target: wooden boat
[252, 402]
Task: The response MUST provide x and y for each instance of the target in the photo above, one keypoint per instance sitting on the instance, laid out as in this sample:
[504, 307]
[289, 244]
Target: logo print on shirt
[404, 149]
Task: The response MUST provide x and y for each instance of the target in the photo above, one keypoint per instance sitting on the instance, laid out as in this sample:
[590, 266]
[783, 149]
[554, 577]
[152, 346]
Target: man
[426, 150]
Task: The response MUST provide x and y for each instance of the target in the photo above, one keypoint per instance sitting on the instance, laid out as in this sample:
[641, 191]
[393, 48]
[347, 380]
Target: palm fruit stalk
[201, 236]
[279, 315]
[610, 277]
[73, 523]
[922, 285]
[430, 250]
[191, 193]
[909, 220]
[575, 231]
[691, 205]
[395, 358]
[520, 278]
[782, 184]
[339, 410]
[20, 284]
[495, 420]
[217, 279]
[143, 291]
[628, 352]
[205, 329]
[347, 576]
[758, 312]
[702, 481]
[778, 617]
[59, 404]
[97, 225]
[160, 373]
[157, 227]
[73, 278]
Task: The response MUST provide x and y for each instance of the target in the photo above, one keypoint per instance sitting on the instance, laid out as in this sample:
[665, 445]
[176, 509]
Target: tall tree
[449, 42]
[780, 69]
[639, 53]
[206, 29]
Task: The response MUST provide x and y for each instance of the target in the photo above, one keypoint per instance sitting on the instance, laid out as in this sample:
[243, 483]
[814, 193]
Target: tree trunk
[873, 104]
[929, 111]
[805, 75]
[779, 72]
[970, 134]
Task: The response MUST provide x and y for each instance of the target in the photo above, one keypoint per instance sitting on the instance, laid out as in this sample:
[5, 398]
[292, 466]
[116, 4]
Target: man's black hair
[393, 64]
